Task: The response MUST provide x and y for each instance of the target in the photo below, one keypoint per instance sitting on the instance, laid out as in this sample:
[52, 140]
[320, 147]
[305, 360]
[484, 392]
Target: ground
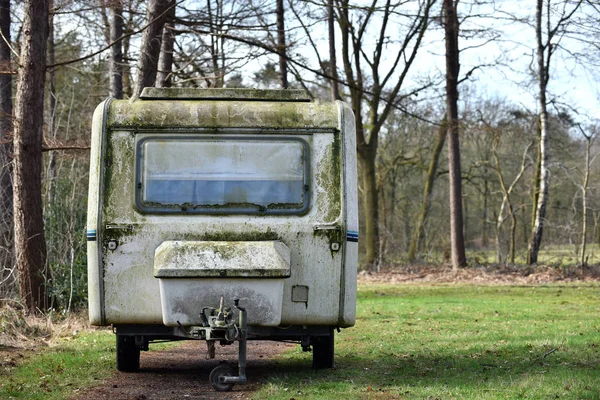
[482, 275]
[181, 372]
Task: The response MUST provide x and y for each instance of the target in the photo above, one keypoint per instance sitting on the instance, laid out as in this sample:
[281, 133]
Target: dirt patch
[482, 275]
[182, 373]
[10, 357]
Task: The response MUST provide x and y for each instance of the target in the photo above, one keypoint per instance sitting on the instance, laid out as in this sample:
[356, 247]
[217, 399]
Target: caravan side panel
[95, 278]
[350, 264]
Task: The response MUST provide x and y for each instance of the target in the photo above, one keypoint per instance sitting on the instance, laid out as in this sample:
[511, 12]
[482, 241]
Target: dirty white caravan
[222, 215]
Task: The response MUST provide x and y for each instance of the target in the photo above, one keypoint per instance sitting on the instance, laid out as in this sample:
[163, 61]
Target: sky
[503, 50]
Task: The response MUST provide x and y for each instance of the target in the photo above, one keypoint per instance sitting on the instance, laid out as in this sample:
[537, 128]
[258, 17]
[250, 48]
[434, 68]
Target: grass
[458, 342]
[556, 255]
[409, 342]
[57, 372]
[68, 365]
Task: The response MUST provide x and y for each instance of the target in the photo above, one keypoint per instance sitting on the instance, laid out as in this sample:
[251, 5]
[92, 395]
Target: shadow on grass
[514, 372]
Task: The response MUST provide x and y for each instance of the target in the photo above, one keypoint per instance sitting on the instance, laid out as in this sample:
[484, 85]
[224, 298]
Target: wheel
[221, 371]
[323, 350]
[128, 354]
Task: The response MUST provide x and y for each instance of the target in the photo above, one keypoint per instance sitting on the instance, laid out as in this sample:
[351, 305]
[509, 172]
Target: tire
[216, 373]
[128, 354]
[323, 350]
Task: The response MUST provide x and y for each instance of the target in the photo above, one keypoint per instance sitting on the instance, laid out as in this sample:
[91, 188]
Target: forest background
[476, 121]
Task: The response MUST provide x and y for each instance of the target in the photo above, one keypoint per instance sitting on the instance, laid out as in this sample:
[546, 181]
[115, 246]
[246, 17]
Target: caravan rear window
[222, 175]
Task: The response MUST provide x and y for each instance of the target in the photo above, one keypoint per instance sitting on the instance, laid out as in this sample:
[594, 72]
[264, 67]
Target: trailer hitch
[222, 378]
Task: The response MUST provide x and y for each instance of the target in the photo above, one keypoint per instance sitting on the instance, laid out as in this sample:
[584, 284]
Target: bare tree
[335, 92]
[451, 27]
[51, 124]
[116, 59]
[6, 193]
[281, 49]
[590, 137]
[30, 246]
[379, 91]
[164, 75]
[507, 203]
[547, 44]
[151, 44]
[418, 234]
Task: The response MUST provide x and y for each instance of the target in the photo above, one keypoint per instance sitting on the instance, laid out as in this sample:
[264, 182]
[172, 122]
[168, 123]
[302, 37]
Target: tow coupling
[220, 325]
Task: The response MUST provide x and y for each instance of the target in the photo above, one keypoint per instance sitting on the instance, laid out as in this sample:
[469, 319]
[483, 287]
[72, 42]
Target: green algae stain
[329, 178]
[221, 114]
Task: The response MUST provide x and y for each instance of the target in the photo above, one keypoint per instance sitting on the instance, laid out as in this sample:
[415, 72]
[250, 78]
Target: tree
[6, 193]
[164, 75]
[590, 136]
[151, 44]
[116, 59]
[30, 246]
[546, 47]
[418, 234]
[379, 91]
[281, 48]
[459, 258]
[507, 204]
[335, 92]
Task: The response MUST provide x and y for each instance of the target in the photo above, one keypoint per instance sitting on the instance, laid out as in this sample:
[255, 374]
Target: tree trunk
[542, 201]
[281, 46]
[127, 79]
[51, 170]
[419, 232]
[216, 48]
[452, 69]
[116, 59]
[165, 61]
[6, 193]
[151, 44]
[335, 92]
[30, 246]
[584, 190]
[367, 162]
[484, 213]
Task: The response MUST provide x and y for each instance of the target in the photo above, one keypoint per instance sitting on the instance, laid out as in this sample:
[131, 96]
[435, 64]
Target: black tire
[323, 350]
[216, 373]
[128, 354]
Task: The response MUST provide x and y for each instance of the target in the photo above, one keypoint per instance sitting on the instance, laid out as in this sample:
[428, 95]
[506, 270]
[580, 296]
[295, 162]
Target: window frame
[285, 209]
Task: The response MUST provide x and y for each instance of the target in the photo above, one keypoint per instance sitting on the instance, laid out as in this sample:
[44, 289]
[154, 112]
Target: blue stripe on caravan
[91, 235]
[352, 236]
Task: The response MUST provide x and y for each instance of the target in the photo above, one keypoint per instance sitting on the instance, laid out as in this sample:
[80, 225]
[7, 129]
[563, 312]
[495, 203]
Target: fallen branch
[65, 148]
[545, 355]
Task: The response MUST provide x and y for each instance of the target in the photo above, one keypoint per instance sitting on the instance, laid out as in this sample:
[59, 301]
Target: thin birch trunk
[542, 200]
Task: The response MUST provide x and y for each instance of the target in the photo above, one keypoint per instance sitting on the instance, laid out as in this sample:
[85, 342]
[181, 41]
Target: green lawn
[409, 342]
[564, 256]
[56, 372]
[429, 342]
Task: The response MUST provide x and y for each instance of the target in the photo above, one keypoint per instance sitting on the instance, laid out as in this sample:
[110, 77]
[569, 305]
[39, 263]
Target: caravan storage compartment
[196, 274]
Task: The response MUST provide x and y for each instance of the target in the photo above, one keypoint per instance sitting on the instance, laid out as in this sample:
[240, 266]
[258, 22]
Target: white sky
[513, 56]
[508, 61]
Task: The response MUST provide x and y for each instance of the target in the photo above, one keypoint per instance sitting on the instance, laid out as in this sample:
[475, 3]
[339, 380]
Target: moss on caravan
[206, 204]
